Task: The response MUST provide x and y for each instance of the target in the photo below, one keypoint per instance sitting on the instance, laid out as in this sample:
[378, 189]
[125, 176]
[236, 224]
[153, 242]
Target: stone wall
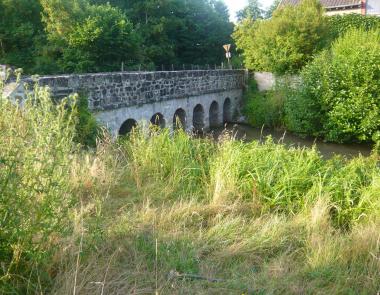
[3, 72]
[113, 119]
[267, 81]
[108, 91]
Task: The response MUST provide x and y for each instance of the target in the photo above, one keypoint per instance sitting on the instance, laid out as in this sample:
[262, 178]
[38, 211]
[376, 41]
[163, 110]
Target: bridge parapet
[107, 91]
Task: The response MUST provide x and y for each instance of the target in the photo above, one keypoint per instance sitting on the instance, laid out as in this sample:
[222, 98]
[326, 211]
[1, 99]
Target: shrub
[87, 128]
[35, 156]
[303, 112]
[287, 41]
[340, 96]
[340, 24]
[265, 108]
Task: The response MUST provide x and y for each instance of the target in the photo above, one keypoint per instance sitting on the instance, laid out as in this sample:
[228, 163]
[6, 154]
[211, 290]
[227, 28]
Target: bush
[265, 108]
[340, 24]
[303, 113]
[35, 195]
[287, 41]
[87, 128]
[340, 96]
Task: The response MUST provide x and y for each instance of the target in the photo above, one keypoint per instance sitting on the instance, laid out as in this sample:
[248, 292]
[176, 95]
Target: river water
[248, 133]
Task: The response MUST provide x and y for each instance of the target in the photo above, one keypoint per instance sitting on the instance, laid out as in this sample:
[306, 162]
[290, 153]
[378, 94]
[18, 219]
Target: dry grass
[261, 218]
[215, 230]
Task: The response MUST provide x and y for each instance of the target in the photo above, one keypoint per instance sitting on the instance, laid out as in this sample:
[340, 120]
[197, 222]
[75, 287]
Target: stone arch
[179, 119]
[227, 111]
[158, 120]
[127, 127]
[198, 118]
[214, 114]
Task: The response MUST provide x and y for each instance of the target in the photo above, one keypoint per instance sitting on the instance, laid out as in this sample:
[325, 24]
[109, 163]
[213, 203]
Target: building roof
[328, 4]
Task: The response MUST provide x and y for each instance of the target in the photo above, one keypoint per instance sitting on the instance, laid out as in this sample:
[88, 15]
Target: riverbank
[164, 213]
[245, 218]
[328, 150]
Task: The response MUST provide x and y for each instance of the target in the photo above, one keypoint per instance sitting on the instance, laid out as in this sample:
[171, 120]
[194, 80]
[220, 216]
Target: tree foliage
[20, 29]
[252, 11]
[51, 36]
[340, 24]
[178, 31]
[269, 12]
[340, 97]
[287, 41]
[96, 37]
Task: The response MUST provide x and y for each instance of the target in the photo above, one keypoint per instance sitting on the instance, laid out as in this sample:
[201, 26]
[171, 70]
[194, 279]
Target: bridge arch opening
[198, 118]
[158, 120]
[227, 111]
[179, 119]
[213, 114]
[127, 127]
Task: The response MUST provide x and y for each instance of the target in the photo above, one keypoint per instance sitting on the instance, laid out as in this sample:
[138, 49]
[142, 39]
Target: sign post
[227, 48]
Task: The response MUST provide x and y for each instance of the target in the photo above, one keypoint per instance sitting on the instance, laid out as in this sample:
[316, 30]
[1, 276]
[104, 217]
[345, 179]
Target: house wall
[373, 7]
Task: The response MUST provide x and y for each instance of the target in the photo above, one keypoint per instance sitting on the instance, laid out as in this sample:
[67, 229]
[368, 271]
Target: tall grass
[35, 194]
[260, 217]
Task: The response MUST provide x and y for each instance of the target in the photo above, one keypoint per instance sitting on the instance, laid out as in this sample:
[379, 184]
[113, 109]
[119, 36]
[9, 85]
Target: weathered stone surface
[203, 98]
[108, 91]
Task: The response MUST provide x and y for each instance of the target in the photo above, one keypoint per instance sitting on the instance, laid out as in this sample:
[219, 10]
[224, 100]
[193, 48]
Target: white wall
[373, 7]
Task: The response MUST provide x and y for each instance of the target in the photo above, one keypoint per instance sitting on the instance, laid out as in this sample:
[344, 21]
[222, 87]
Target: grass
[260, 217]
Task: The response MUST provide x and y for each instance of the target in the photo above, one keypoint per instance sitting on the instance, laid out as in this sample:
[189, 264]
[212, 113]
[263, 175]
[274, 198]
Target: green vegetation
[87, 129]
[36, 146]
[340, 24]
[290, 39]
[287, 41]
[46, 37]
[340, 95]
[125, 216]
[338, 60]
[265, 109]
[261, 217]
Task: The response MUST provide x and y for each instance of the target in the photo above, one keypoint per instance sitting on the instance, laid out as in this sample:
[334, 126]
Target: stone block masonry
[200, 99]
[107, 91]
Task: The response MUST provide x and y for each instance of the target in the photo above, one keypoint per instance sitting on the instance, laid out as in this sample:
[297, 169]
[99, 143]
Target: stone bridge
[194, 100]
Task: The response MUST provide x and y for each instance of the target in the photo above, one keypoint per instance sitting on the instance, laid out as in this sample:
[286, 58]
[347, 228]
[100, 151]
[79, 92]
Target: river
[249, 133]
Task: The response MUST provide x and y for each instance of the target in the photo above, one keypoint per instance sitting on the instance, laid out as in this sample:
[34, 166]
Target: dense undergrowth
[261, 217]
[335, 98]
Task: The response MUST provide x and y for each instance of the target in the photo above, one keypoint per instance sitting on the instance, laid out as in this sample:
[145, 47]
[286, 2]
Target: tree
[252, 11]
[90, 38]
[179, 31]
[287, 41]
[271, 9]
[20, 28]
[101, 42]
[53, 36]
